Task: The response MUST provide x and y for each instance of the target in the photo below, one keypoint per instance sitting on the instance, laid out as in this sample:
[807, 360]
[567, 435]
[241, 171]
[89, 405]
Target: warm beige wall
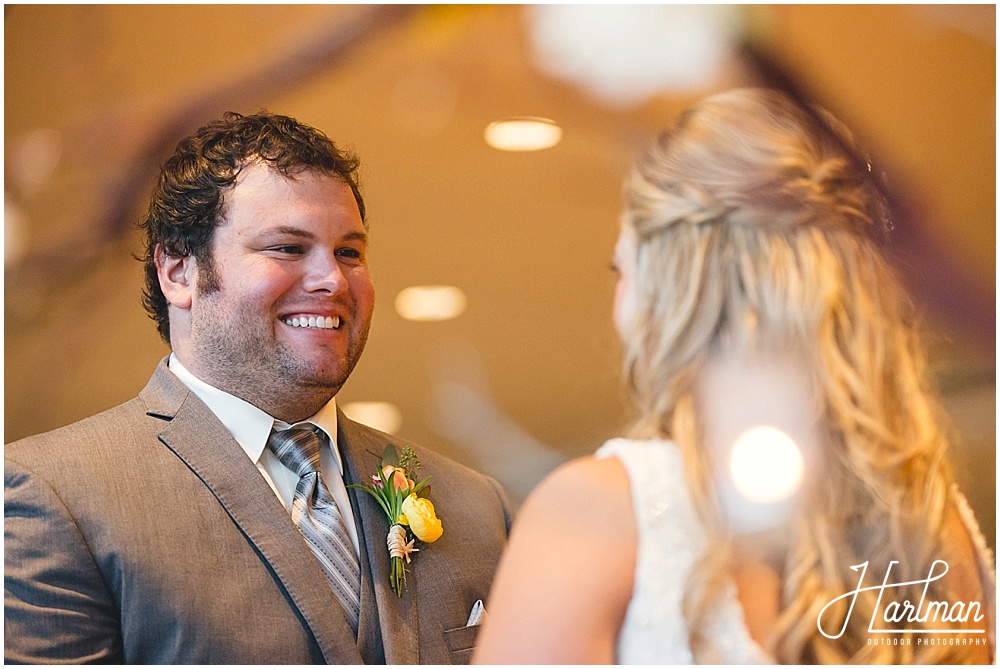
[528, 237]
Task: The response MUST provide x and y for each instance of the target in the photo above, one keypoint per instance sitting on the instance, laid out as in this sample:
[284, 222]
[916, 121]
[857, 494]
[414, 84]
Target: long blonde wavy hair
[754, 222]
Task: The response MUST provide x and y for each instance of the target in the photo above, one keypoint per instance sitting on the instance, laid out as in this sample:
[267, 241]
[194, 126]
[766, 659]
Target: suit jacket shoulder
[87, 445]
[147, 511]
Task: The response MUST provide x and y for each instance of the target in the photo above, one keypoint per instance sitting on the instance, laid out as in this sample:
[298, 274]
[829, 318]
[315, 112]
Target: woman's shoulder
[598, 484]
[565, 580]
[584, 506]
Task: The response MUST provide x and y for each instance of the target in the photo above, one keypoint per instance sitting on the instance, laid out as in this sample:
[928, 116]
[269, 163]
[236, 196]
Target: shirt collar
[249, 425]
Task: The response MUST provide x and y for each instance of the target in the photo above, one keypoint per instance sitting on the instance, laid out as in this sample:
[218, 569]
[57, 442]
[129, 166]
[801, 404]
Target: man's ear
[177, 277]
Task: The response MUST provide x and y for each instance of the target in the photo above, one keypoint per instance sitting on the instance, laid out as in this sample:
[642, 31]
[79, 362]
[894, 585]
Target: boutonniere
[409, 512]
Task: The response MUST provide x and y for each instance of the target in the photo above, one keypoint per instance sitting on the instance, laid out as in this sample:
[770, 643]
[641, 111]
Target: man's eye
[288, 249]
[353, 254]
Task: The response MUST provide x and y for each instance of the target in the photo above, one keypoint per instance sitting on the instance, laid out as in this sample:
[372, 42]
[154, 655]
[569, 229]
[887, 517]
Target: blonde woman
[751, 293]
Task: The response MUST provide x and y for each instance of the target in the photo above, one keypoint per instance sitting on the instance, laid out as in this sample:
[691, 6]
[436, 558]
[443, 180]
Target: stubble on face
[243, 357]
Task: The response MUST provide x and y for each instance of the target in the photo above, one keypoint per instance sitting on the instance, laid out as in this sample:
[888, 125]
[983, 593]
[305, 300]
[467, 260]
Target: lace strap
[985, 561]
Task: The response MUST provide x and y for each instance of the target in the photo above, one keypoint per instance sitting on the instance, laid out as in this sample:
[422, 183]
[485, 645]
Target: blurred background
[518, 368]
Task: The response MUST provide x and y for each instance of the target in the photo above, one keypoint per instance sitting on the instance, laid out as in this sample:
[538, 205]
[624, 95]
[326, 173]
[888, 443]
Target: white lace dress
[670, 540]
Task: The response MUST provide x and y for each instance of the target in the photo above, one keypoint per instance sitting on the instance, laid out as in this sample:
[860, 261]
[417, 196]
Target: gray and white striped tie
[317, 516]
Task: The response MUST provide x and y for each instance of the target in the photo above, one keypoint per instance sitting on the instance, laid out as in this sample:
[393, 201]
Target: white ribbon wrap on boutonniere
[398, 546]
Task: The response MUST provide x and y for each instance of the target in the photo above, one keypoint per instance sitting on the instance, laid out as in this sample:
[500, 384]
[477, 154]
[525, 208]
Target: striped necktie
[317, 516]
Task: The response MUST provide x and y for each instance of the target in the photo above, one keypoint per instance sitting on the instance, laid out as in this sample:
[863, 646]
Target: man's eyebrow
[287, 230]
[354, 235]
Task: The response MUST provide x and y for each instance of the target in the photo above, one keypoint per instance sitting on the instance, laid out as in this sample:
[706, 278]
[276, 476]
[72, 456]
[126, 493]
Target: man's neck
[291, 407]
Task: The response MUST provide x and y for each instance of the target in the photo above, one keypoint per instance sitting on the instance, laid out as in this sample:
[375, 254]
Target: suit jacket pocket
[461, 641]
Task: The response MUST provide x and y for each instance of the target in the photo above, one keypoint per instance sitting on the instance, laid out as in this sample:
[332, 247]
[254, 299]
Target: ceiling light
[379, 415]
[625, 54]
[766, 465]
[525, 133]
[430, 303]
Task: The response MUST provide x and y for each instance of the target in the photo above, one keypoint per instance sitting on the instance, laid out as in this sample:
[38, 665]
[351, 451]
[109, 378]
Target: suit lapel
[197, 437]
[361, 449]
[369, 631]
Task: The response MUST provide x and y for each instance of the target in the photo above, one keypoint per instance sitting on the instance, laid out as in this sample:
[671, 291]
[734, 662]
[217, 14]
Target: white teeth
[319, 322]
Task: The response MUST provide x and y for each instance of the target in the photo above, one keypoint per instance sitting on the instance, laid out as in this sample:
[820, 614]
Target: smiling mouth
[314, 322]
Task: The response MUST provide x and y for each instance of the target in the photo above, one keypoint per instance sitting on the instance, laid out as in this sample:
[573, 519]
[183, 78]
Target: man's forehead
[260, 172]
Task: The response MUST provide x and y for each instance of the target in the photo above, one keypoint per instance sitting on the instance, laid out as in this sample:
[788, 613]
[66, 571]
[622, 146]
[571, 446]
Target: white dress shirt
[250, 427]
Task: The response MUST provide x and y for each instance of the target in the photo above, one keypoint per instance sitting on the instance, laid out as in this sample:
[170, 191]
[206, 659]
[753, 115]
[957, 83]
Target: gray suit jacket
[145, 535]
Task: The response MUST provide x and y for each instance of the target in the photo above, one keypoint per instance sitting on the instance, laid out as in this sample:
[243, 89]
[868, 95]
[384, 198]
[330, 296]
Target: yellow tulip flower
[419, 513]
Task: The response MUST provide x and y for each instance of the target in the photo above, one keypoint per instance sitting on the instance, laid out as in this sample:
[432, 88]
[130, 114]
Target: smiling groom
[176, 528]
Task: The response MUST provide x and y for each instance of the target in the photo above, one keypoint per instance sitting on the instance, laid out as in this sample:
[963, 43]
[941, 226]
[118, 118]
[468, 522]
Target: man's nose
[326, 275]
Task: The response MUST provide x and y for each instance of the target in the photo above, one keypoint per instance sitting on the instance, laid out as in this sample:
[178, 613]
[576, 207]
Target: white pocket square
[478, 614]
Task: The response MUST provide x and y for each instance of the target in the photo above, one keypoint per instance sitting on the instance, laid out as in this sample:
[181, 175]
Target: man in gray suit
[170, 529]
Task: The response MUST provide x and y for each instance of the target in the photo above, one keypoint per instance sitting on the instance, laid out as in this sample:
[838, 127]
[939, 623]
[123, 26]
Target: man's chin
[331, 386]
[320, 375]
[321, 379]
